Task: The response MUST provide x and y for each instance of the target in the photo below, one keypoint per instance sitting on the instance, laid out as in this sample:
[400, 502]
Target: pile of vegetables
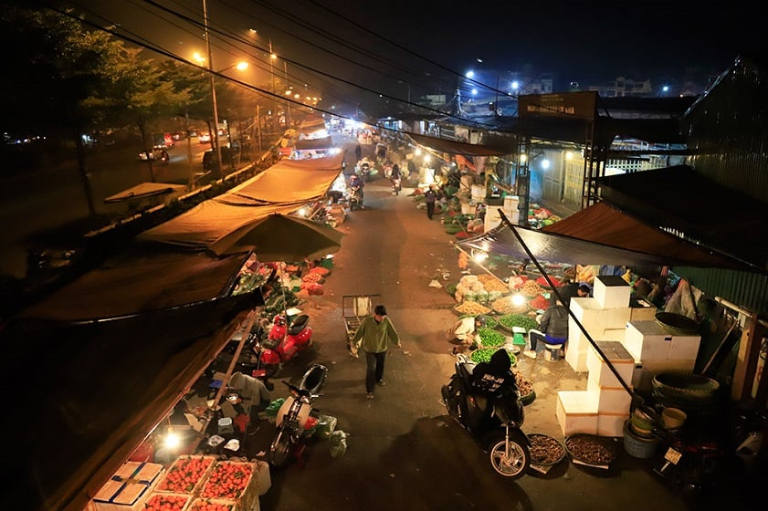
[510, 321]
[491, 338]
[485, 354]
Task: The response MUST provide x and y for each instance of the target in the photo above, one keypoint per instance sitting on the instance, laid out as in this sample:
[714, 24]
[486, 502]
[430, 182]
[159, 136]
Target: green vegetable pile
[520, 320]
[485, 354]
[491, 338]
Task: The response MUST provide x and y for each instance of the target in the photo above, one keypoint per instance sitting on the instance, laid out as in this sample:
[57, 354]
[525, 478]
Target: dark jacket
[430, 196]
[554, 322]
[492, 377]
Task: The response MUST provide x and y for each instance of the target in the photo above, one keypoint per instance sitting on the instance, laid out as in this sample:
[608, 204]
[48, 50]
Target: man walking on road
[431, 197]
[373, 334]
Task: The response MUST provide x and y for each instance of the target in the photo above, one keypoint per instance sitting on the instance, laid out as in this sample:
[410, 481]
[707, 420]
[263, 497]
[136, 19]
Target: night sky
[344, 47]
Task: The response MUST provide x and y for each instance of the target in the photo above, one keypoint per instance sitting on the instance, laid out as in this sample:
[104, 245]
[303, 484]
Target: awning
[209, 221]
[144, 190]
[307, 144]
[681, 200]
[456, 147]
[85, 395]
[556, 247]
[291, 181]
[139, 282]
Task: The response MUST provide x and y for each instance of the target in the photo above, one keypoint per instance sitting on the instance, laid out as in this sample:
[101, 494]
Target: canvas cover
[314, 143]
[623, 249]
[144, 190]
[210, 221]
[456, 147]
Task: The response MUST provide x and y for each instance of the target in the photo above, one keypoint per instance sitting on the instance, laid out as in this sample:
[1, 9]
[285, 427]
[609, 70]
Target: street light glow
[470, 74]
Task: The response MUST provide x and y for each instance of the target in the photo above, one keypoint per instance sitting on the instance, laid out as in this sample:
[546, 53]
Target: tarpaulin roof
[139, 281]
[209, 221]
[282, 188]
[144, 190]
[569, 249]
[682, 200]
[456, 147]
[306, 144]
[291, 181]
[87, 394]
[311, 123]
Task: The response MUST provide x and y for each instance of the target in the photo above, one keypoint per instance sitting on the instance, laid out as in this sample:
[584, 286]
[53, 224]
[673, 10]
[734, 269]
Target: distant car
[204, 138]
[156, 154]
[228, 156]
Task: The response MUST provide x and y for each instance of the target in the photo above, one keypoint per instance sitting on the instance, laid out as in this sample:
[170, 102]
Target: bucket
[673, 418]
[637, 447]
[478, 193]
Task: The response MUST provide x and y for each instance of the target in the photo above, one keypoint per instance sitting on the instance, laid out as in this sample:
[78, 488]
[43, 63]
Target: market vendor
[463, 334]
[253, 398]
[553, 329]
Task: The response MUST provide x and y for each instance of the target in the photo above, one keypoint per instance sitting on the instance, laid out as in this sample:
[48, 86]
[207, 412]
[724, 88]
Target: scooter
[284, 342]
[355, 198]
[296, 415]
[690, 464]
[396, 185]
[495, 423]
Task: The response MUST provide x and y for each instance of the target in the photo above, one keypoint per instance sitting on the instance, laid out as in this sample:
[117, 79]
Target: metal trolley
[354, 308]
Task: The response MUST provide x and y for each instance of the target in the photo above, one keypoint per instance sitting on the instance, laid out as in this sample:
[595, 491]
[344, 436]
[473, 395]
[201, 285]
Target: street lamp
[241, 66]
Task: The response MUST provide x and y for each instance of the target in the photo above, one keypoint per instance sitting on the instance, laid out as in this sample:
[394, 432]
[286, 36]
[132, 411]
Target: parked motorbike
[495, 423]
[296, 415]
[688, 463]
[283, 343]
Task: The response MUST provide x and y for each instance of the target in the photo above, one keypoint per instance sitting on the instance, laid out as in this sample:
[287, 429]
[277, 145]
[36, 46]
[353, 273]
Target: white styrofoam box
[611, 291]
[618, 356]
[610, 399]
[646, 312]
[576, 412]
[611, 424]
[684, 347]
[576, 351]
[647, 340]
[614, 334]
[596, 318]
[492, 218]
[642, 379]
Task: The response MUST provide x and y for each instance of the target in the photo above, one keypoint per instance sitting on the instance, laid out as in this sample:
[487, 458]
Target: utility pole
[213, 92]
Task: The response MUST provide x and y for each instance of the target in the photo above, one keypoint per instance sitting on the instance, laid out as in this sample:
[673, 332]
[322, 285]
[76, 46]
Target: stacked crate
[604, 406]
[129, 488]
[605, 318]
[655, 349]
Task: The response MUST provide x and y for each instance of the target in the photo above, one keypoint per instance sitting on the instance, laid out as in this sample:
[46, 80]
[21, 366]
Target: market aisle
[403, 451]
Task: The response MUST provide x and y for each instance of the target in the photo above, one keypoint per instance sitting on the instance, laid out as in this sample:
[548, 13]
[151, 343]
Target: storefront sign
[581, 105]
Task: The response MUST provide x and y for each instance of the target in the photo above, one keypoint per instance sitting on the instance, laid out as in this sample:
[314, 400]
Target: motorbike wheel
[280, 450]
[513, 465]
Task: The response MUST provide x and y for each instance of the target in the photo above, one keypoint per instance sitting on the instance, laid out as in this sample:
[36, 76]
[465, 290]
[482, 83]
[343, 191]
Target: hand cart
[356, 307]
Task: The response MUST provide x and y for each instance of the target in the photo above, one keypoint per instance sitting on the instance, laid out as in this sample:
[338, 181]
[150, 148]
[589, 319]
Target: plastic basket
[638, 447]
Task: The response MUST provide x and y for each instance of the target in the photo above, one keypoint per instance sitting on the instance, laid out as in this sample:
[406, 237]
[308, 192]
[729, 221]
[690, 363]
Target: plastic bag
[274, 407]
[338, 443]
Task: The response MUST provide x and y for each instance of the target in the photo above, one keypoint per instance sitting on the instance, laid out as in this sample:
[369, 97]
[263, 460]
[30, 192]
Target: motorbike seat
[314, 379]
[298, 324]
[465, 371]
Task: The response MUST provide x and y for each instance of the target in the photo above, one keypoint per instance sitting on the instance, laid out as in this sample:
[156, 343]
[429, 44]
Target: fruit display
[169, 502]
[212, 505]
[228, 480]
[471, 309]
[185, 474]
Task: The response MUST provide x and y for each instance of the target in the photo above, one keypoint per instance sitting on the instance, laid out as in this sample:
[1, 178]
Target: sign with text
[580, 105]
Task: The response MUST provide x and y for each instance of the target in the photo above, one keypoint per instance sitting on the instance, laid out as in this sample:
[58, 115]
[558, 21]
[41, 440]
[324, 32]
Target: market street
[404, 452]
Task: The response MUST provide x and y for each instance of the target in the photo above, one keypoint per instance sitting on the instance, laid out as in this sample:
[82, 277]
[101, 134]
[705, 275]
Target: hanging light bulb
[518, 299]
[172, 440]
[479, 256]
